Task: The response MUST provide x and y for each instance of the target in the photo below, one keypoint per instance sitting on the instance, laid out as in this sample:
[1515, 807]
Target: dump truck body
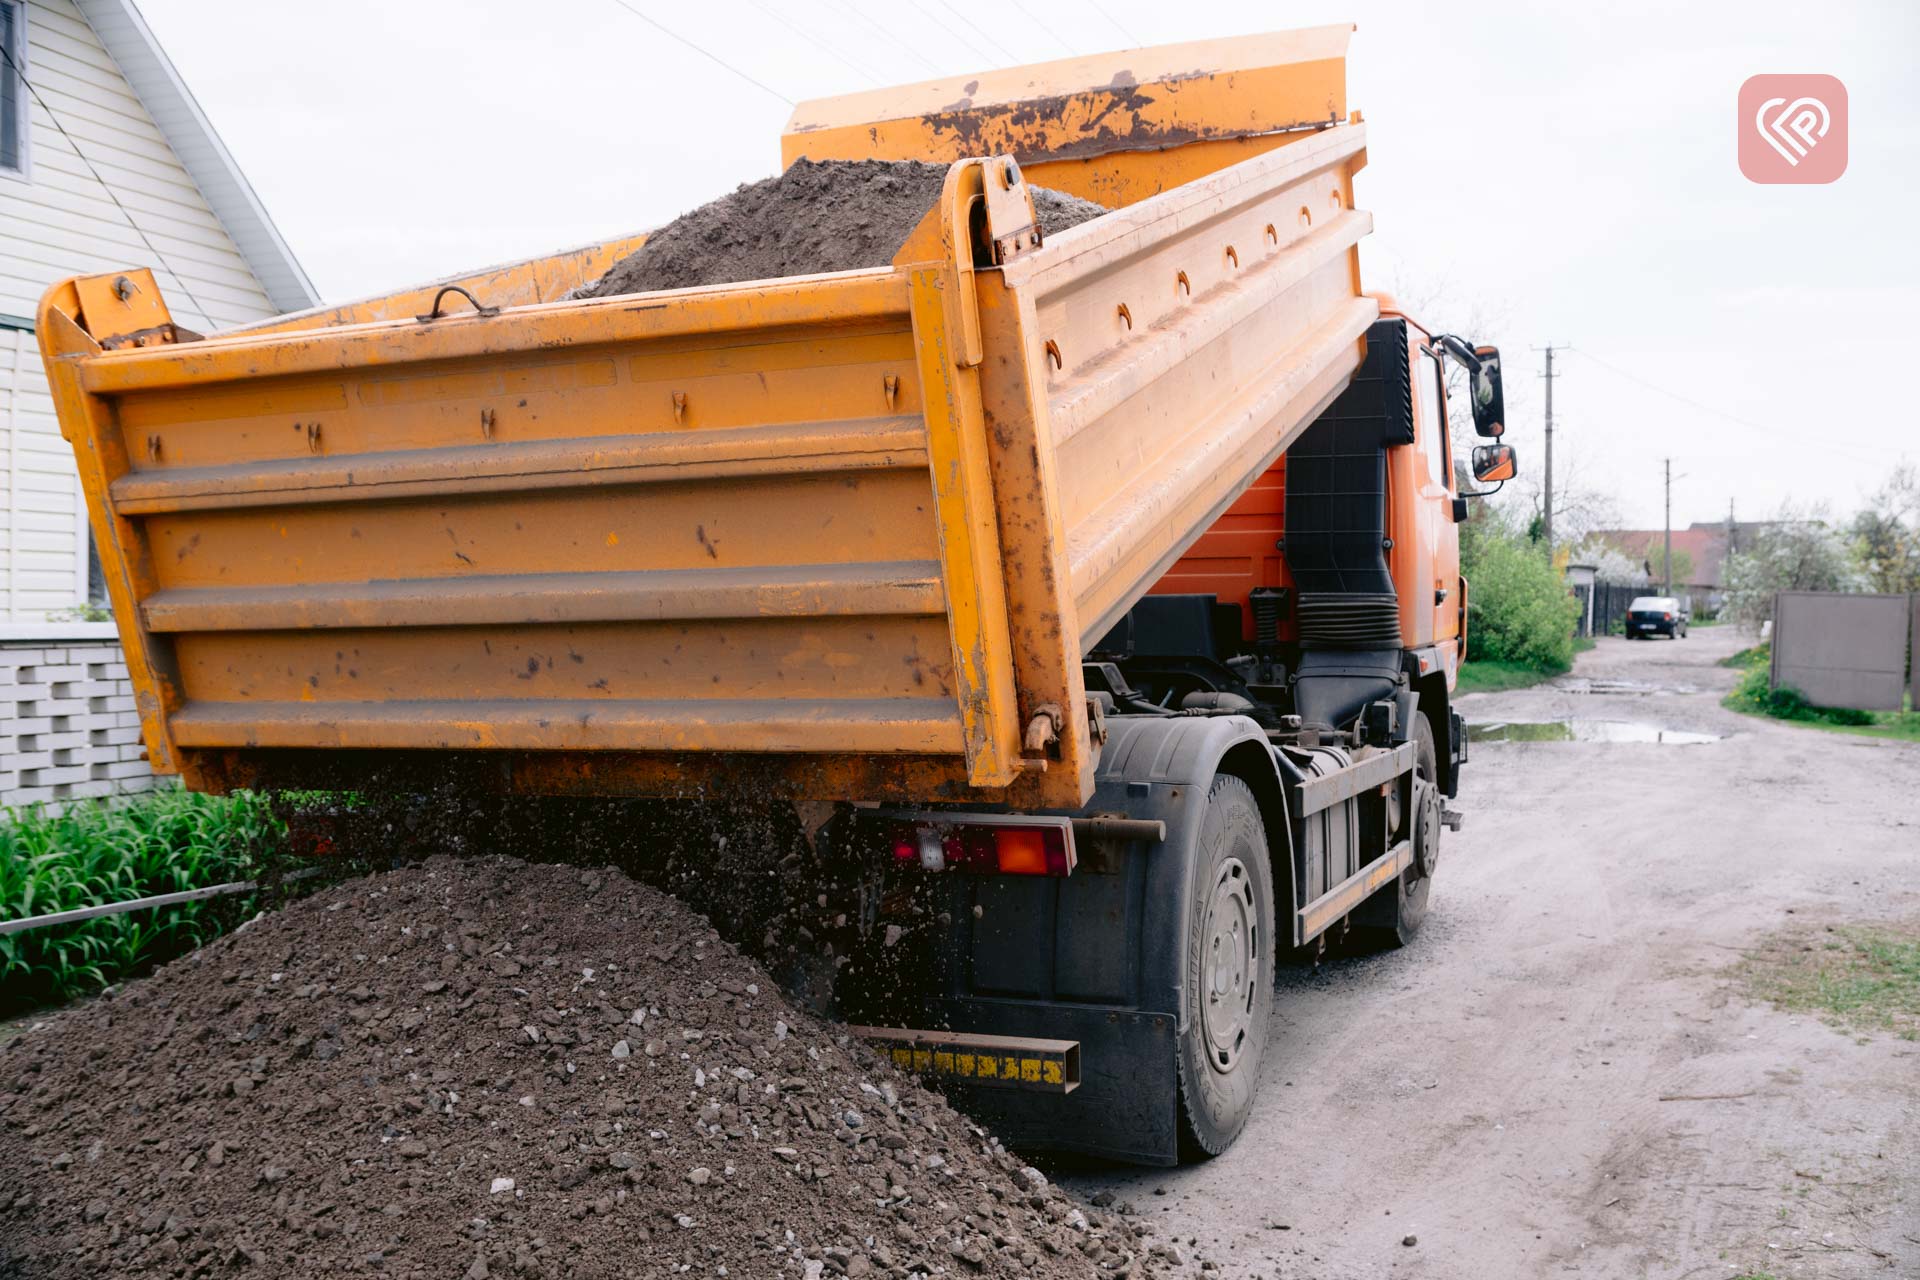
[852, 533]
[1104, 581]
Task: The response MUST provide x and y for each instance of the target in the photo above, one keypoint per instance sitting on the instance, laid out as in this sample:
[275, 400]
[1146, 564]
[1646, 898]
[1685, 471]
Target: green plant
[1759, 655]
[1518, 608]
[88, 612]
[1755, 695]
[91, 853]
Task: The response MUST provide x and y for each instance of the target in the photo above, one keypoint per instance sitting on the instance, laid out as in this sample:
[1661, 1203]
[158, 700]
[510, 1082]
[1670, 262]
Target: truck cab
[1241, 561]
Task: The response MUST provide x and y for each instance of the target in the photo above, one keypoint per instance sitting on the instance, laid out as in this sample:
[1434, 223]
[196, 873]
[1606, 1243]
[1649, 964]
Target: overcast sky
[1560, 172]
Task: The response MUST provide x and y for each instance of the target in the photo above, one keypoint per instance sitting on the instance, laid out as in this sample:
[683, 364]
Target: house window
[13, 87]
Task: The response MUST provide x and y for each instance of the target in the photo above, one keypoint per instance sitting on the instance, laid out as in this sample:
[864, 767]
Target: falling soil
[483, 1067]
[834, 215]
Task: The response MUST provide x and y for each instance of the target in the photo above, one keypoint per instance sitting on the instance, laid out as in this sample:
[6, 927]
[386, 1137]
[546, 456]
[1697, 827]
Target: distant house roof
[1705, 542]
[133, 47]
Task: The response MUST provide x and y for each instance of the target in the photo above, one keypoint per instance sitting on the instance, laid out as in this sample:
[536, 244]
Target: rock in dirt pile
[830, 215]
[488, 1068]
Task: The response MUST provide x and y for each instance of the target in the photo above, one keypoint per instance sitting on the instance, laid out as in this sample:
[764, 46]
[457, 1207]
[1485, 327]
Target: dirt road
[1561, 1077]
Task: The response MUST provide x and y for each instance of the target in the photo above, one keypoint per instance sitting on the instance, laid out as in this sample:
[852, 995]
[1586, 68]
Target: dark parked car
[1657, 615]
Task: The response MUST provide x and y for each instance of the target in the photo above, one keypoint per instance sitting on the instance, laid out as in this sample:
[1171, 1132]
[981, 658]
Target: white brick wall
[68, 728]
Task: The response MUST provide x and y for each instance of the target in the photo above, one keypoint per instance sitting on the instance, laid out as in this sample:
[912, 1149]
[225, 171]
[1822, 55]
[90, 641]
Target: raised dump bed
[843, 536]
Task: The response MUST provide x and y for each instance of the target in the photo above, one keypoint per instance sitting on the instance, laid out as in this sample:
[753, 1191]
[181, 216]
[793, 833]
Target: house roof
[134, 48]
[1704, 547]
[1706, 543]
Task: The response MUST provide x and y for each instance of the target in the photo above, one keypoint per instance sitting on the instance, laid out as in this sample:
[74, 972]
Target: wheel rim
[1426, 829]
[1233, 954]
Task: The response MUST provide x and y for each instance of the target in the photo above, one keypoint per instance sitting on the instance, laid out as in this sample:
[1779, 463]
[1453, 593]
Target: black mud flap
[1124, 1107]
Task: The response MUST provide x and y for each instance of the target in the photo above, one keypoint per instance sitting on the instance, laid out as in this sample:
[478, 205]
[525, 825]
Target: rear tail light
[1666, 617]
[986, 846]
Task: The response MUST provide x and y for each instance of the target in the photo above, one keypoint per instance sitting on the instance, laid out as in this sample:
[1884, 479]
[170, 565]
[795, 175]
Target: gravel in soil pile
[831, 215]
[484, 1067]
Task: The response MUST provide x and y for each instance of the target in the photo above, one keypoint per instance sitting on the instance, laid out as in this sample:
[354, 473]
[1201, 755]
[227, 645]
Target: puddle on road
[1579, 729]
[1631, 688]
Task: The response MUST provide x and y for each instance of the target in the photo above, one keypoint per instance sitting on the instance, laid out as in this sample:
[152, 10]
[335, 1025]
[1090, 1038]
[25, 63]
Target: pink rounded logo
[1793, 128]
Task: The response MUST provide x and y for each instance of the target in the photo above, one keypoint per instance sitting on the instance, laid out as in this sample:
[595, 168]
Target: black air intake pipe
[1337, 503]
[1336, 545]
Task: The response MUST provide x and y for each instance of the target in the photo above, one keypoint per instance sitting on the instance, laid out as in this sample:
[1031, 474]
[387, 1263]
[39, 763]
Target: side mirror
[1489, 401]
[1494, 463]
[1483, 383]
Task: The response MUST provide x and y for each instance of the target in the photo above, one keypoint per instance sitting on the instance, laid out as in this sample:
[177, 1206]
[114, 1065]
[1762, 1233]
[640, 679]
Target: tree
[1886, 534]
[1682, 564]
[1796, 551]
[1610, 564]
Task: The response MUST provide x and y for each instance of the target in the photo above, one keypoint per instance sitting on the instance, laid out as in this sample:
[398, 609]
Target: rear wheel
[1229, 971]
[1392, 916]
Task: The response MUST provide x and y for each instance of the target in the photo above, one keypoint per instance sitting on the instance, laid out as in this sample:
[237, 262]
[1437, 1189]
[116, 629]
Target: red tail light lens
[1020, 851]
[986, 847]
[1666, 617]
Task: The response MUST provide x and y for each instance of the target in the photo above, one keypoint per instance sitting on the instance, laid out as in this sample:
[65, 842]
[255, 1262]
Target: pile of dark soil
[833, 215]
[483, 1067]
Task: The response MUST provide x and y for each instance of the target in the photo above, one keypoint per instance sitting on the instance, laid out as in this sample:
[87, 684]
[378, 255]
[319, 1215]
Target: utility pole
[1667, 570]
[1546, 503]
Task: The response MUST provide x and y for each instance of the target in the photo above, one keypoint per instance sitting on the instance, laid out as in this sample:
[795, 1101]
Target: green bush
[89, 854]
[1754, 694]
[1518, 608]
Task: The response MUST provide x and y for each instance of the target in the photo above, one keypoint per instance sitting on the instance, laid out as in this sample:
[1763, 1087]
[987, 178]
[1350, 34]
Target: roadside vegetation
[1757, 655]
[1754, 696]
[1858, 978]
[89, 854]
[1520, 617]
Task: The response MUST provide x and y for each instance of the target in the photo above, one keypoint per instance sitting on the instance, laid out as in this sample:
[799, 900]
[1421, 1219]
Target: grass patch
[1855, 977]
[1757, 655]
[1753, 697]
[88, 854]
[1493, 675]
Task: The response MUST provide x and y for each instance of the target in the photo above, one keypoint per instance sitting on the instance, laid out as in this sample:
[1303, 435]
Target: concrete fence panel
[1913, 660]
[1842, 650]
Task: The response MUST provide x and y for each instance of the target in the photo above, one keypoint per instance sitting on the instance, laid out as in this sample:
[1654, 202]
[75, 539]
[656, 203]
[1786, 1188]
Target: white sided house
[106, 161]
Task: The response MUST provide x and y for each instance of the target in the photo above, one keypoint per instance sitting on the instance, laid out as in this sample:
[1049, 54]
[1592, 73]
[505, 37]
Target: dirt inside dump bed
[482, 1067]
[834, 215]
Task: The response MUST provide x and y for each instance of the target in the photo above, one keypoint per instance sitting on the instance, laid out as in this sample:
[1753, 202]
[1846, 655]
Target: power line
[1056, 37]
[987, 59]
[1772, 429]
[910, 50]
[986, 35]
[106, 186]
[1115, 23]
[817, 43]
[713, 58]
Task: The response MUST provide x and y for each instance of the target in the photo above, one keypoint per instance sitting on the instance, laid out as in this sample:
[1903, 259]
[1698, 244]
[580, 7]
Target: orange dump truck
[1105, 582]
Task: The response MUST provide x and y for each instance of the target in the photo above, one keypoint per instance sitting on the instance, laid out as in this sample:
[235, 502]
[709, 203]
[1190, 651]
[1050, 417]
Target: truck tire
[1229, 970]
[1392, 916]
